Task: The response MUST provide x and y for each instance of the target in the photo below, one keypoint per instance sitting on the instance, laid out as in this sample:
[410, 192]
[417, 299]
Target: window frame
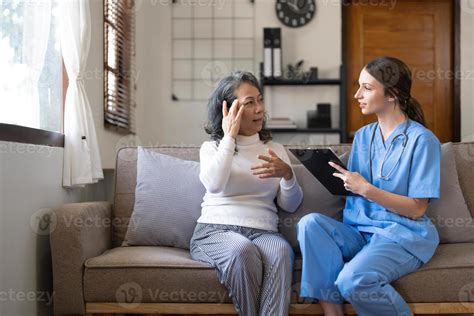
[36, 136]
[128, 85]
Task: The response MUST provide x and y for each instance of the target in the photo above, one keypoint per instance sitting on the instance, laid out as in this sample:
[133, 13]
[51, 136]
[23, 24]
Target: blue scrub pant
[340, 263]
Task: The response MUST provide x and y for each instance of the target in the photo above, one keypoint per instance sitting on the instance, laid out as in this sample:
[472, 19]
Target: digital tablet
[316, 161]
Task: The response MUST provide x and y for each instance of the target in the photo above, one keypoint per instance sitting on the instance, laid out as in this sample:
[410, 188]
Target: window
[119, 65]
[30, 65]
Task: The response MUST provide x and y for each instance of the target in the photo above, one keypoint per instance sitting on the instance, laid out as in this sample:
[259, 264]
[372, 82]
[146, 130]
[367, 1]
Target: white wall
[30, 180]
[159, 120]
[162, 121]
[467, 70]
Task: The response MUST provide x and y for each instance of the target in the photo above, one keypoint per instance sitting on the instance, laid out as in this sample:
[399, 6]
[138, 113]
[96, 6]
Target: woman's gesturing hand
[231, 119]
[273, 167]
[353, 181]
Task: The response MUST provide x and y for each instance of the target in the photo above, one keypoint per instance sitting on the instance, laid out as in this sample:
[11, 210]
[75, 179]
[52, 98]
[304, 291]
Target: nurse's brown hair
[396, 78]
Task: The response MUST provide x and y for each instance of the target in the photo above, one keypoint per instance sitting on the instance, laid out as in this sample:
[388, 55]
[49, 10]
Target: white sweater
[234, 196]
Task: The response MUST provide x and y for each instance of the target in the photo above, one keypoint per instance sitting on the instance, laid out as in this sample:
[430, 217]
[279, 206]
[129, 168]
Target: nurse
[394, 172]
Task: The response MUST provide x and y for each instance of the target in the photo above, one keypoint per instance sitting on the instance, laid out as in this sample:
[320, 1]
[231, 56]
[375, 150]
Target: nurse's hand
[273, 167]
[353, 181]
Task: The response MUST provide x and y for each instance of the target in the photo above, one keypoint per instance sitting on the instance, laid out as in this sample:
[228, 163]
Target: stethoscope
[405, 140]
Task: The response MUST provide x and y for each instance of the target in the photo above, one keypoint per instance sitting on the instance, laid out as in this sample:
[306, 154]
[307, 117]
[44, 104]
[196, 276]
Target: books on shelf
[272, 60]
[281, 122]
[267, 52]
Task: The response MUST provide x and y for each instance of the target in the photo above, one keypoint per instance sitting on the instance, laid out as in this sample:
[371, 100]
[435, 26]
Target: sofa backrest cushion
[464, 156]
[450, 213]
[126, 172]
[316, 198]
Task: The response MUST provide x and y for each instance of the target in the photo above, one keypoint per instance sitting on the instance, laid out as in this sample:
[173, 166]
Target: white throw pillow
[168, 199]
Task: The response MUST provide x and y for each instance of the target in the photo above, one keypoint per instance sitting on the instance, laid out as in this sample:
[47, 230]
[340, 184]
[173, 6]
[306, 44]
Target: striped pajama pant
[255, 265]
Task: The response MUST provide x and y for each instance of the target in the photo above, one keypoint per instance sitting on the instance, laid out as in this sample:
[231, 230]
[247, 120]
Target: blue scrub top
[416, 175]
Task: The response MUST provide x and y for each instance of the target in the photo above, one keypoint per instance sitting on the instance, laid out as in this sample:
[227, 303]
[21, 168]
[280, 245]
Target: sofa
[94, 273]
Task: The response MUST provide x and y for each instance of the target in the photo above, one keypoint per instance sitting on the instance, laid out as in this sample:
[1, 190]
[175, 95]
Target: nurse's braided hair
[395, 76]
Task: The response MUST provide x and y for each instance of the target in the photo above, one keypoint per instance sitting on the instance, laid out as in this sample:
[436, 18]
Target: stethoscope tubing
[405, 141]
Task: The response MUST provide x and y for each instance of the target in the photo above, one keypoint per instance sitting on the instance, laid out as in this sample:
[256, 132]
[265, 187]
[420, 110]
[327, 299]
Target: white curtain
[36, 27]
[82, 163]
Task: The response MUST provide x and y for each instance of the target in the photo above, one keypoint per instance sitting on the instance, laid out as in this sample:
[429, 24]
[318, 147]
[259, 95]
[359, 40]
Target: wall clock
[295, 13]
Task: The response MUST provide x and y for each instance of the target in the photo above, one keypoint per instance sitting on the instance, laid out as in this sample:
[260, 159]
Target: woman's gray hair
[225, 90]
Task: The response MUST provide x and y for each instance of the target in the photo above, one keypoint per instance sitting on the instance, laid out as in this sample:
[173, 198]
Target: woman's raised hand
[231, 119]
[273, 167]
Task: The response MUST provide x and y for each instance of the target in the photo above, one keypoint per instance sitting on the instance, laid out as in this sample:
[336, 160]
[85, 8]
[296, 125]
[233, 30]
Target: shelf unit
[341, 82]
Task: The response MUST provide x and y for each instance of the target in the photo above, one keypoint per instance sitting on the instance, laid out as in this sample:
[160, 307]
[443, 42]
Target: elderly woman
[243, 171]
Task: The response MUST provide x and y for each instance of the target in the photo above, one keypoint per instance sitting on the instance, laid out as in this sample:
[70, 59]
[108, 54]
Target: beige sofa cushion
[449, 213]
[162, 274]
[145, 274]
[447, 277]
[127, 171]
[464, 156]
